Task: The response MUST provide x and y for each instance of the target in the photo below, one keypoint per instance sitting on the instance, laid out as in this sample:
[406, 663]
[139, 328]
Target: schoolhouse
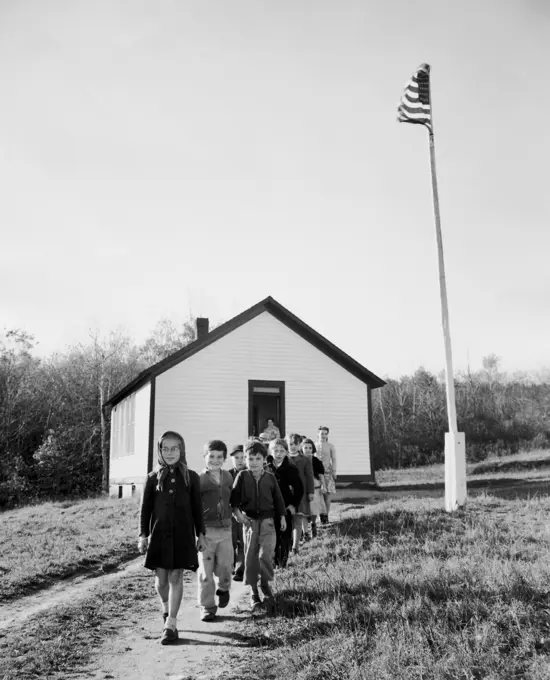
[264, 363]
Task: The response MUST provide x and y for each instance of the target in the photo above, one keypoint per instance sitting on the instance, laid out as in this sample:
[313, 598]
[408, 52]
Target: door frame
[267, 383]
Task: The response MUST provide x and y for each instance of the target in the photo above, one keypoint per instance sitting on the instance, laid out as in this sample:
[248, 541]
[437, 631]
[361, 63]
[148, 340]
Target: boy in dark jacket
[256, 500]
[292, 490]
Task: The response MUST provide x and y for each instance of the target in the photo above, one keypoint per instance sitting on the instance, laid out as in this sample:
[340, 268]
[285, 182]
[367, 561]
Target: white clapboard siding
[206, 396]
[132, 465]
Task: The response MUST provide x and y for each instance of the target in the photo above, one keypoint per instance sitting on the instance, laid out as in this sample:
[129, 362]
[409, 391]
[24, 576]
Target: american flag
[415, 103]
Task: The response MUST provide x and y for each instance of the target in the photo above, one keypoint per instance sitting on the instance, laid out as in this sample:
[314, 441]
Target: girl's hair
[162, 467]
[278, 442]
[216, 445]
[294, 438]
[308, 441]
[323, 427]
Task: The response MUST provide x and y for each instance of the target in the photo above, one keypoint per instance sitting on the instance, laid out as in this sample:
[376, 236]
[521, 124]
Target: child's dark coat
[173, 518]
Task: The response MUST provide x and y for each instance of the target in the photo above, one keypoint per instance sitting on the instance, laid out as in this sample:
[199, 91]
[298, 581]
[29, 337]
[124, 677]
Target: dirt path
[65, 591]
[203, 650]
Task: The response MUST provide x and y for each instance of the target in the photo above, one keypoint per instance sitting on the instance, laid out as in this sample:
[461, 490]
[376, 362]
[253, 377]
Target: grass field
[532, 465]
[406, 591]
[401, 590]
[43, 543]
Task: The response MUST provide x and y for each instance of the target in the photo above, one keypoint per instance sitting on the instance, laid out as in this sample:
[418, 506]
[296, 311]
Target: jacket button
[171, 491]
[173, 480]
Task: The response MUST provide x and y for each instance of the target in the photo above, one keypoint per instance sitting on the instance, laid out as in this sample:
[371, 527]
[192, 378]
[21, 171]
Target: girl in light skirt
[317, 506]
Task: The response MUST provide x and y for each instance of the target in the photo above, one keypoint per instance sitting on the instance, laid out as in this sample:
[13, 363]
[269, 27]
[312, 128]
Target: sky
[166, 157]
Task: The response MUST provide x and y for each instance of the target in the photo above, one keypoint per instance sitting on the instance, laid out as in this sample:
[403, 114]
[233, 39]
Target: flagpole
[455, 445]
[451, 403]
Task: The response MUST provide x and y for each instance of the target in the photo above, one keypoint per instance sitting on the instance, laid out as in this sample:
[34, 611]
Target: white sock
[171, 622]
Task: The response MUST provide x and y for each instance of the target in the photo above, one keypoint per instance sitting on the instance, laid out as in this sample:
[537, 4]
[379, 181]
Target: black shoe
[164, 617]
[169, 636]
[223, 598]
[266, 590]
[314, 530]
[238, 576]
[255, 600]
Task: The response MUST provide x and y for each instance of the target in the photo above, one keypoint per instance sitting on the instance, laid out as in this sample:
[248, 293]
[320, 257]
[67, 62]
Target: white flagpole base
[455, 470]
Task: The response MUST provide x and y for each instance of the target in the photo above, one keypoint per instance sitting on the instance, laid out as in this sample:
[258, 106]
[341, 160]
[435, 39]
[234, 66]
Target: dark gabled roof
[279, 312]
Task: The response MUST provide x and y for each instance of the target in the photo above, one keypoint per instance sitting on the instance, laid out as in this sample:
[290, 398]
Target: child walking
[236, 527]
[216, 560]
[256, 500]
[171, 526]
[317, 505]
[292, 490]
[303, 463]
[326, 452]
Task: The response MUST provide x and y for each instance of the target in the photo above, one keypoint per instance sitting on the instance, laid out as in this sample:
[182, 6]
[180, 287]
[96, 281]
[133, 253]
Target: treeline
[499, 414]
[54, 435]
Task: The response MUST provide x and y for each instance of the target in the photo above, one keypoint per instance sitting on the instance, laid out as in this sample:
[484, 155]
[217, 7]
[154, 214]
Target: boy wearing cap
[256, 500]
[237, 536]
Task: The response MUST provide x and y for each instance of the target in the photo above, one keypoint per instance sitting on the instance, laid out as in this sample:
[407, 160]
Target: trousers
[238, 546]
[284, 541]
[259, 549]
[216, 560]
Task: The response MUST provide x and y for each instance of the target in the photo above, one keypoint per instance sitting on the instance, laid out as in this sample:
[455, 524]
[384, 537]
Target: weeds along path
[65, 591]
[14, 612]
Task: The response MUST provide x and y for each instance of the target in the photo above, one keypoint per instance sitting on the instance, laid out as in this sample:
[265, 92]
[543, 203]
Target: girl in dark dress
[171, 526]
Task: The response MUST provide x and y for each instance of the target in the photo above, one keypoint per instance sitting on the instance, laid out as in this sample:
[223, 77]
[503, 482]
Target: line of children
[222, 522]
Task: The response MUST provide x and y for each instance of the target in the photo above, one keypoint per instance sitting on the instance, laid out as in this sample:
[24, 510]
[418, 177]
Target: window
[124, 423]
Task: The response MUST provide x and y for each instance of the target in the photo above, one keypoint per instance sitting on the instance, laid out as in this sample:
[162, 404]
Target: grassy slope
[407, 591]
[531, 465]
[64, 638]
[402, 591]
[54, 540]
[40, 544]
